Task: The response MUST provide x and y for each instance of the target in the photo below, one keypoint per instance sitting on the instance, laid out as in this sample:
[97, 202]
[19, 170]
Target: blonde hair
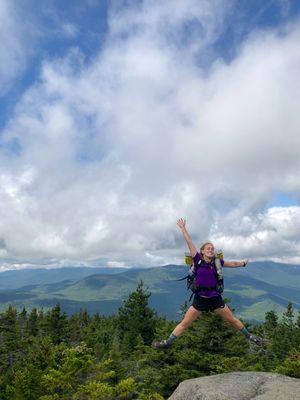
[204, 244]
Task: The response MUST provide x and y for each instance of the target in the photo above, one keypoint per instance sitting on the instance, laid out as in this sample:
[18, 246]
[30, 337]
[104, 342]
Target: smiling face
[208, 251]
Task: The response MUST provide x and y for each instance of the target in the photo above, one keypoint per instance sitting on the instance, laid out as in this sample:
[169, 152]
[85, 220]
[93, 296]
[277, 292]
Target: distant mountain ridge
[253, 290]
[14, 279]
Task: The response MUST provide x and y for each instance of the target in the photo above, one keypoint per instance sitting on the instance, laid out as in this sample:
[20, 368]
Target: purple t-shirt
[206, 276]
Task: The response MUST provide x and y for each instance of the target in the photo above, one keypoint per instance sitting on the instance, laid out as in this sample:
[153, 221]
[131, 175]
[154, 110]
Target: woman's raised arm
[181, 223]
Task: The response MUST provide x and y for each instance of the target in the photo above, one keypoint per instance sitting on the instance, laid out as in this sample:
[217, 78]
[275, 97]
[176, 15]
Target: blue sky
[88, 26]
[88, 19]
[118, 117]
[248, 16]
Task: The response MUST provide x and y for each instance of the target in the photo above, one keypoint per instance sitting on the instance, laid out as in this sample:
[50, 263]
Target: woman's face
[208, 251]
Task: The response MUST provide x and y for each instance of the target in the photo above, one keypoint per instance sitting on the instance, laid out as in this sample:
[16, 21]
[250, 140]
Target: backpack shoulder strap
[198, 264]
[218, 266]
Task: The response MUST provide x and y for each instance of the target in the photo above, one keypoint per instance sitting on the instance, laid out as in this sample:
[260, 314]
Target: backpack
[191, 277]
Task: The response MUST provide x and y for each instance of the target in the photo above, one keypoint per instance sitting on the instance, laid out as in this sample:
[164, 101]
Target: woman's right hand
[192, 248]
[181, 223]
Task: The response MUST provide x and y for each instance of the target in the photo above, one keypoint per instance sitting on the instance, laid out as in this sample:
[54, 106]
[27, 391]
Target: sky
[119, 117]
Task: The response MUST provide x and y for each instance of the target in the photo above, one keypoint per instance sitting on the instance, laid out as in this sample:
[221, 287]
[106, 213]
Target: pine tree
[56, 324]
[136, 318]
[271, 320]
[298, 320]
[32, 323]
[283, 334]
[9, 338]
[288, 316]
[22, 323]
[70, 370]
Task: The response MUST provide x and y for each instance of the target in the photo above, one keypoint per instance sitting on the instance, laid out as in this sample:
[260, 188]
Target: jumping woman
[207, 298]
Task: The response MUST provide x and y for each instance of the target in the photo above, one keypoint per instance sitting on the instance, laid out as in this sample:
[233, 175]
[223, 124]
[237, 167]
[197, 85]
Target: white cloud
[13, 53]
[113, 152]
[273, 234]
[23, 32]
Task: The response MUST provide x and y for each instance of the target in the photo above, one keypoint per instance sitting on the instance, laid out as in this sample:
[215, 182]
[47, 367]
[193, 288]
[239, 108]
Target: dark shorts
[208, 303]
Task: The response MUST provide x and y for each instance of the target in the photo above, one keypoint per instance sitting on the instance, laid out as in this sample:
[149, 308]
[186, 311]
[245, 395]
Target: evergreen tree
[50, 357]
[9, 338]
[70, 370]
[271, 321]
[136, 318]
[298, 320]
[288, 316]
[56, 324]
[284, 335]
[22, 323]
[32, 323]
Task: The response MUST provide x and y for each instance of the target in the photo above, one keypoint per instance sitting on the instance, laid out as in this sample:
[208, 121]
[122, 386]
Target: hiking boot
[255, 339]
[163, 344]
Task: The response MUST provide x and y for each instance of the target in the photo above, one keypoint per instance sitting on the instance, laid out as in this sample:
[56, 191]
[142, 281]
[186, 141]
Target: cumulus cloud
[112, 153]
[272, 234]
[24, 29]
[13, 52]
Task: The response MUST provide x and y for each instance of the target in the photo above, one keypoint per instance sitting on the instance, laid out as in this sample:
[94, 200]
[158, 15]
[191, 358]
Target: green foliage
[150, 396]
[32, 323]
[47, 356]
[229, 364]
[288, 316]
[136, 319]
[290, 365]
[95, 391]
[55, 324]
[25, 384]
[72, 366]
[271, 321]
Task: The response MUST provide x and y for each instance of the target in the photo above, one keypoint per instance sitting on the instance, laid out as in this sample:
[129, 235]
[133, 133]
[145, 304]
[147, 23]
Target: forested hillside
[254, 290]
[49, 356]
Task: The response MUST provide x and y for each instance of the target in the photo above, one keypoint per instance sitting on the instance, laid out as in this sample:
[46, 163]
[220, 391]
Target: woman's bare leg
[188, 319]
[228, 316]
[190, 316]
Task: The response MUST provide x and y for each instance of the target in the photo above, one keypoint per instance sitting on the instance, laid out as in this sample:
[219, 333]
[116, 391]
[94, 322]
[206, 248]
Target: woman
[207, 298]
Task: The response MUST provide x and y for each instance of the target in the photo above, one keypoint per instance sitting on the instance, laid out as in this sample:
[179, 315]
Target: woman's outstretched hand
[181, 223]
[192, 248]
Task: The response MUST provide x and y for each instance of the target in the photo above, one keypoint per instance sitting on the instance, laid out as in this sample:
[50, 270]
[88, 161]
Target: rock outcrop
[239, 386]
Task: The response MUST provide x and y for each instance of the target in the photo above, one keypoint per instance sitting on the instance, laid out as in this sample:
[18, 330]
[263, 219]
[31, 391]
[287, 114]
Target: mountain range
[251, 291]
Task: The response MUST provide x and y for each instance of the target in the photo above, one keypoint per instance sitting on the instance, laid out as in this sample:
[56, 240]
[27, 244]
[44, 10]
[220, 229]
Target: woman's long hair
[202, 247]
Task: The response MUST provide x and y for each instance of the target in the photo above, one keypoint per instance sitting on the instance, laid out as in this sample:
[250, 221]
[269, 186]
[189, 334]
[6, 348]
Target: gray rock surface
[239, 386]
